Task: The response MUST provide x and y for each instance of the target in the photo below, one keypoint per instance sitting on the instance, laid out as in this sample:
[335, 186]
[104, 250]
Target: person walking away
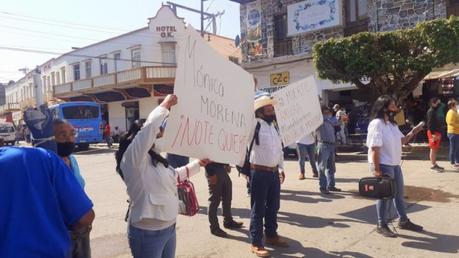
[266, 163]
[326, 149]
[343, 119]
[384, 141]
[220, 190]
[107, 137]
[41, 201]
[434, 133]
[452, 121]
[305, 146]
[64, 134]
[116, 134]
[152, 188]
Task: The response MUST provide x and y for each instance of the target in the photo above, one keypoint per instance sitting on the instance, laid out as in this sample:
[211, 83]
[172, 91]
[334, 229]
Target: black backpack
[245, 169]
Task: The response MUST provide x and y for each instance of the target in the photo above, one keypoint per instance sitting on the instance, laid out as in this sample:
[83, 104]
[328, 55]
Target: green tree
[394, 62]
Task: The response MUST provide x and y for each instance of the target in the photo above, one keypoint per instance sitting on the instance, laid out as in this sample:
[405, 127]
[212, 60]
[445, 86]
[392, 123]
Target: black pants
[80, 243]
[220, 190]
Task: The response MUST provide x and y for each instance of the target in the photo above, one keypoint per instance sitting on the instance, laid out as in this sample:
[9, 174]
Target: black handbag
[377, 187]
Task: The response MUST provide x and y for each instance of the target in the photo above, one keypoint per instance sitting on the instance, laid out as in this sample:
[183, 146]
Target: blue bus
[85, 117]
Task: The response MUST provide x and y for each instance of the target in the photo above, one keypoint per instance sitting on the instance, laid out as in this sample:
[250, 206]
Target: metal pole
[38, 87]
[202, 18]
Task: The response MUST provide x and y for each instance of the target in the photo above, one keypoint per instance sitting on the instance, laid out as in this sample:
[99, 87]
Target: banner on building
[311, 15]
[214, 114]
[298, 110]
[253, 21]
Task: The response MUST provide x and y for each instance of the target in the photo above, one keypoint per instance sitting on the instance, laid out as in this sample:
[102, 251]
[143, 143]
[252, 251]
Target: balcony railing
[82, 84]
[283, 48]
[9, 107]
[104, 80]
[138, 76]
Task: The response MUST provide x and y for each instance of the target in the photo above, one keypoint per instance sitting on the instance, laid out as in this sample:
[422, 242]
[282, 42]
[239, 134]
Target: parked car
[7, 133]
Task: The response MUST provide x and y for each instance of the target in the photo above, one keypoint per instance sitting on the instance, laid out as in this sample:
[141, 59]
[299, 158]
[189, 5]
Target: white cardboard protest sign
[214, 113]
[297, 110]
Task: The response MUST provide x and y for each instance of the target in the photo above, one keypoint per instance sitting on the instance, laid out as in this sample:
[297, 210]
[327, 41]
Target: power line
[44, 34]
[77, 55]
[60, 21]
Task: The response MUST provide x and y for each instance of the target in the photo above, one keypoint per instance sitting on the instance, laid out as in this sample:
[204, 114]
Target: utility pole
[202, 18]
[204, 15]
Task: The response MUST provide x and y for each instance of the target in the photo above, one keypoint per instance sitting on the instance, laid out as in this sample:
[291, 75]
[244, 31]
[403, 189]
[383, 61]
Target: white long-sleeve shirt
[269, 153]
[152, 190]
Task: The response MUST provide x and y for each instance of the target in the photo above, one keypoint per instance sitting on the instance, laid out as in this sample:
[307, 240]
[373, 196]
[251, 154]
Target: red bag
[188, 203]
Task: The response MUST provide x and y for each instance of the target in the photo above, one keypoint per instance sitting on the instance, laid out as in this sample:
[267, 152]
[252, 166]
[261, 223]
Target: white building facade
[128, 75]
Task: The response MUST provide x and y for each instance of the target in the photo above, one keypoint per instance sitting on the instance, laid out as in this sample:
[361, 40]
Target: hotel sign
[166, 31]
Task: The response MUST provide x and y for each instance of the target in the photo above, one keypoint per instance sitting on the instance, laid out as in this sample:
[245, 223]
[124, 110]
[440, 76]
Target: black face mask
[64, 149]
[269, 119]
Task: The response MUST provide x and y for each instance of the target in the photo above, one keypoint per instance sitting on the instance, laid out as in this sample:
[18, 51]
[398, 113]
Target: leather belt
[263, 168]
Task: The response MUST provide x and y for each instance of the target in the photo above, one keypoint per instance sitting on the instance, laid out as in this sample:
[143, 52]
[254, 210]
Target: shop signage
[282, 78]
[166, 31]
[313, 15]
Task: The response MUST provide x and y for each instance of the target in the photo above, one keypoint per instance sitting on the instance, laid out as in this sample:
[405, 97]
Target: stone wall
[387, 15]
[384, 15]
[301, 45]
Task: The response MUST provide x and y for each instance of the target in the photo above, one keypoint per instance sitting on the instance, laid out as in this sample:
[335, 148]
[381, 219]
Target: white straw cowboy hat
[263, 99]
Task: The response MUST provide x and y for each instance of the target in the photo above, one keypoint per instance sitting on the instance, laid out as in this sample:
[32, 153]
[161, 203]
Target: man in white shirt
[266, 163]
[305, 146]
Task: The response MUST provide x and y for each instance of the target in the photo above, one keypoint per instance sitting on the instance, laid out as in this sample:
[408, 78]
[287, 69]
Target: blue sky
[59, 25]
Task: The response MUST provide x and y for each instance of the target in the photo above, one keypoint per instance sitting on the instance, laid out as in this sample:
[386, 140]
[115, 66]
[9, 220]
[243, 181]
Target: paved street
[339, 225]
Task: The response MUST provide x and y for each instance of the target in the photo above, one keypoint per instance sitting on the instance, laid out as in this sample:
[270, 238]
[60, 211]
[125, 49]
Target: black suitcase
[377, 187]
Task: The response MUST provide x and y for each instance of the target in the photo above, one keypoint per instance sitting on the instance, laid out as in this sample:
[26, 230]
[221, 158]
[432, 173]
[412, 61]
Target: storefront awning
[443, 72]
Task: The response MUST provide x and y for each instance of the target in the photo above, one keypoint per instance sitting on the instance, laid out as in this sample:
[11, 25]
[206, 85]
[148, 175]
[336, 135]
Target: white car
[7, 133]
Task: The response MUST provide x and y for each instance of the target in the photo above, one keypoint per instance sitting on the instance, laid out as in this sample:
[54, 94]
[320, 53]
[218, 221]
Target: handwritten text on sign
[297, 110]
[215, 104]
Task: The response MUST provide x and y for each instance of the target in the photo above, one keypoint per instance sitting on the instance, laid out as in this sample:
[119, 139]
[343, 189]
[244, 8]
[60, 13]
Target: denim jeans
[326, 165]
[303, 150]
[453, 148]
[265, 203]
[152, 243]
[394, 172]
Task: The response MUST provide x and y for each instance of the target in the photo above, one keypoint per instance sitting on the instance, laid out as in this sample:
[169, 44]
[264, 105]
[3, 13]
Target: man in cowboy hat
[266, 163]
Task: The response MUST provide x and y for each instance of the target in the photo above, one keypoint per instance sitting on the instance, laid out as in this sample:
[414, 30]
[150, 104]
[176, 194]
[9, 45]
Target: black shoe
[233, 224]
[324, 191]
[437, 168]
[218, 232]
[334, 189]
[408, 225]
[385, 231]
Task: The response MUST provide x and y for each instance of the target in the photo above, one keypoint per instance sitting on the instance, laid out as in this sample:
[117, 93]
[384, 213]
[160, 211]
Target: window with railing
[356, 16]
[136, 57]
[282, 43]
[87, 69]
[453, 8]
[76, 72]
[103, 64]
[168, 53]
